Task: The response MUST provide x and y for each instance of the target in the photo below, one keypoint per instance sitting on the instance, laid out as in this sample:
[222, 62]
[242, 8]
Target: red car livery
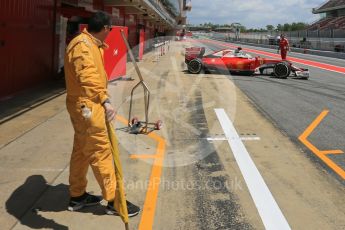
[239, 62]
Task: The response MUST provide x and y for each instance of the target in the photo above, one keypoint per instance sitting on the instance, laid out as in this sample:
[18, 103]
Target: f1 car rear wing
[194, 52]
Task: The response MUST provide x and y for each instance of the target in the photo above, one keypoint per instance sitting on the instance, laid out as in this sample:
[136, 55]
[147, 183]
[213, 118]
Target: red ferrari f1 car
[237, 61]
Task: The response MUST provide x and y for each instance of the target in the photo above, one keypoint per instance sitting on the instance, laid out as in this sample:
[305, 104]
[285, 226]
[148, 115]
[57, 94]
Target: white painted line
[241, 138]
[250, 138]
[217, 139]
[269, 211]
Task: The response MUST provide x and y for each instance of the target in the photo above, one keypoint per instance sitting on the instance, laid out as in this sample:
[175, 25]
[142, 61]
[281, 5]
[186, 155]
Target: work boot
[133, 210]
[82, 201]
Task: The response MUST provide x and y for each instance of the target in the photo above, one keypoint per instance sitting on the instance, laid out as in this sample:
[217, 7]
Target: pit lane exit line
[268, 209]
[322, 154]
[319, 65]
[149, 208]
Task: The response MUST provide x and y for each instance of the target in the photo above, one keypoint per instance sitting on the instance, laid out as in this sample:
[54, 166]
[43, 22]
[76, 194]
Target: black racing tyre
[281, 70]
[195, 66]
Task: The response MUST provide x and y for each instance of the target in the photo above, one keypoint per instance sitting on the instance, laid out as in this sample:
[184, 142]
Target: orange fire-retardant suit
[86, 82]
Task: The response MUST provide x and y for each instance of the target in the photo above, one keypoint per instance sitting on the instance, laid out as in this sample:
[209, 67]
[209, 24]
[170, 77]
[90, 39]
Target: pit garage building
[34, 33]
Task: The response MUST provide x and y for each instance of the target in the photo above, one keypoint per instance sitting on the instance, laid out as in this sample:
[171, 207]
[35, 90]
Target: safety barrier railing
[326, 40]
[161, 49]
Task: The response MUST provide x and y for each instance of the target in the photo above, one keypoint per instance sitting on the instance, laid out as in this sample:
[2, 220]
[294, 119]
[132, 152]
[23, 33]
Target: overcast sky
[253, 13]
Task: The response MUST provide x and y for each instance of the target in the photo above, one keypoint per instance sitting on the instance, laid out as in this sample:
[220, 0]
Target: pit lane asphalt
[292, 104]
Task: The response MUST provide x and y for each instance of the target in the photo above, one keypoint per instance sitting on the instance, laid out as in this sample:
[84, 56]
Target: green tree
[270, 27]
[242, 28]
[298, 26]
[286, 27]
[279, 27]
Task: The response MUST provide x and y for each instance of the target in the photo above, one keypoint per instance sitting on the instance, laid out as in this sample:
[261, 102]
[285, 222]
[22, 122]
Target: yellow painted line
[143, 156]
[314, 124]
[321, 154]
[332, 152]
[122, 119]
[148, 213]
[149, 208]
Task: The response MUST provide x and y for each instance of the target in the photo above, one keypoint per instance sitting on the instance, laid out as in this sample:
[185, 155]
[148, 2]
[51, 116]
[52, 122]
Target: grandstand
[334, 11]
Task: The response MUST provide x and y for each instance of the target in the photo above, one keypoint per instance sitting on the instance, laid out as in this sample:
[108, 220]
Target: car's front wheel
[195, 66]
[281, 70]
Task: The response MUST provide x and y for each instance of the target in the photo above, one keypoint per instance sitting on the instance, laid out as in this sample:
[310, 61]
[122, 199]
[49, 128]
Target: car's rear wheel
[281, 70]
[194, 66]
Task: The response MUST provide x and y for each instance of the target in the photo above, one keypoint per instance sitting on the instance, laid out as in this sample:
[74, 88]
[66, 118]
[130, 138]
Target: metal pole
[141, 82]
[131, 55]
